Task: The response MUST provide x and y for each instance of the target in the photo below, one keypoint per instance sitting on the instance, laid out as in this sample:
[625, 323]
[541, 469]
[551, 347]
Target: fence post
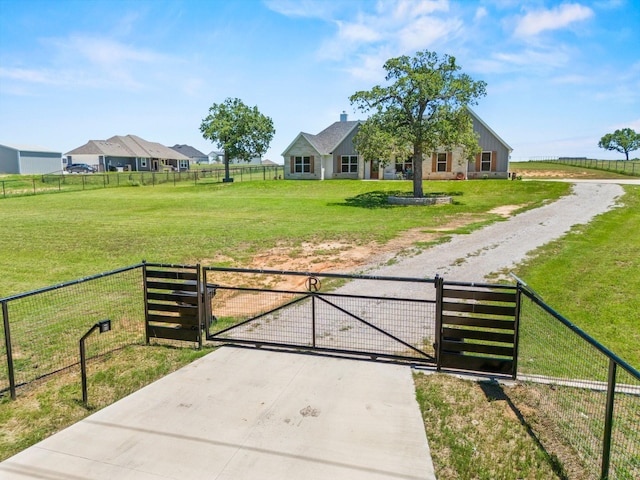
[4, 194]
[146, 301]
[313, 319]
[516, 333]
[439, 285]
[34, 186]
[7, 342]
[608, 420]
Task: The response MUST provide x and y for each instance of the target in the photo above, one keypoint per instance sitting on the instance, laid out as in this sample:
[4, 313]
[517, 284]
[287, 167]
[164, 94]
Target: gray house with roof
[329, 154]
[128, 153]
[332, 154]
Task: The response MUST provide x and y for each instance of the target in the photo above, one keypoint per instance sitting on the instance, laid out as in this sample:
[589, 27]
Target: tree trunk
[417, 171]
[226, 166]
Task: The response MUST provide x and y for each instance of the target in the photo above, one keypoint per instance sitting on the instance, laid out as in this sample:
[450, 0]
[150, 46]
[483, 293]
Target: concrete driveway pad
[242, 413]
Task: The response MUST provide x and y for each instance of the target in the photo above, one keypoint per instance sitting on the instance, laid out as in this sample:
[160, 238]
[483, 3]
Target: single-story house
[24, 159]
[329, 154]
[332, 154]
[195, 155]
[128, 153]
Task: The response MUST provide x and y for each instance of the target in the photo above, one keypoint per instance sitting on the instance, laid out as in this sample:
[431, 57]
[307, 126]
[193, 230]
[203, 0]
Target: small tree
[623, 141]
[240, 131]
[424, 107]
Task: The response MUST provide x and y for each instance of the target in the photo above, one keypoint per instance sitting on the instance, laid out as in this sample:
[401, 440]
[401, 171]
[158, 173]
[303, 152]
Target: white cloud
[559, 17]
[302, 8]
[398, 27]
[426, 31]
[481, 12]
[357, 33]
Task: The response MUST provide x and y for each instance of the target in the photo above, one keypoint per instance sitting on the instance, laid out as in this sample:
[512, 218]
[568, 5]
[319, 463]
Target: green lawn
[47, 239]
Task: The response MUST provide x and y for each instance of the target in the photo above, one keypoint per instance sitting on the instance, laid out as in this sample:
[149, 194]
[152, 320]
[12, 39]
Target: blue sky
[560, 74]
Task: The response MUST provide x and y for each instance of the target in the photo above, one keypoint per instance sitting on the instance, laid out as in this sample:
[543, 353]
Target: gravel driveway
[502, 245]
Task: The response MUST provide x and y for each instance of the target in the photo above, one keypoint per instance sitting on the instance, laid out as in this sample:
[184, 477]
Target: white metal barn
[28, 159]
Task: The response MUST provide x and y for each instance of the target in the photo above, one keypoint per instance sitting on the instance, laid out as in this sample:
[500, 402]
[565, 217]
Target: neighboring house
[269, 163]
[331, 154]
[217, 156]
[24, 159]
[128, 153]
[195, 155]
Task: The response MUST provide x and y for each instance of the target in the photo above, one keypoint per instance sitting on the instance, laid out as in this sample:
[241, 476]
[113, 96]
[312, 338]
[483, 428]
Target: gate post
[516, 330]
[439, 285]
[201, 289]
[146, 302]
[7, 342]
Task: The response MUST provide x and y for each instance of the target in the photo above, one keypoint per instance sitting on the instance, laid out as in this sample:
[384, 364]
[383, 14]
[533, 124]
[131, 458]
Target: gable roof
[476, 117]
[127, 146]
[328, 139]
[188, 151]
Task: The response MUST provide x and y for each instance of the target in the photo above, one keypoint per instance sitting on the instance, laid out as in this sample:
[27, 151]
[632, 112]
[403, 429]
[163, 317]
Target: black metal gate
[456, 325]
[322, 313]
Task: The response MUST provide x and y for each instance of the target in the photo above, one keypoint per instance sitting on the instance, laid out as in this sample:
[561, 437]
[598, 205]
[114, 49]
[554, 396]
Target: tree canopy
[624, 141]
[242, 132]
[423, 107]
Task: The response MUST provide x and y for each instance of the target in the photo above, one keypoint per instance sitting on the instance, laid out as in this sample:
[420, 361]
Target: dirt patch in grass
[340, 256]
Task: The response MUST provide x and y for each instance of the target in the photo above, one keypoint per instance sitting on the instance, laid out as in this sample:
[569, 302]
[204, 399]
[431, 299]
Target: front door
[375, 170]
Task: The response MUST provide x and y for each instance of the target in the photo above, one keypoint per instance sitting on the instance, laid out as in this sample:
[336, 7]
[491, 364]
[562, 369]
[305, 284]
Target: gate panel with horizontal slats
[477, 327]
[172, 303]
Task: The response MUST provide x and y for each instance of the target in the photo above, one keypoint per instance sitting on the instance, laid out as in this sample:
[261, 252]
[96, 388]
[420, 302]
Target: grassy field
[52, 238]
[48, 239]
[556, 170]
[595, 277]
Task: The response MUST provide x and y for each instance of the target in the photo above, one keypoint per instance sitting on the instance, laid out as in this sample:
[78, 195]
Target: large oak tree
[624, 141]
[424, 106]
[242, 132]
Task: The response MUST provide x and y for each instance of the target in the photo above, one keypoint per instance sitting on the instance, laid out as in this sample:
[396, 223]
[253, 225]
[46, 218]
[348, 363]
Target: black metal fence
[52, 183]
[585, 394]
[576, 389]
[626, 167]
[42, 328]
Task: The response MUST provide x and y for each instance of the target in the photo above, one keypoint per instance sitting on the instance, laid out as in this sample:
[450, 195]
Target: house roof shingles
[127, 146]
[329, 138]
[188, 151]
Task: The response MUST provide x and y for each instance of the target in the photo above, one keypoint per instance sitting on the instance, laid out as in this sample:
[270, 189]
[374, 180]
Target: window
[184, 164]
[485, 162]
[143, 163]
[349, 164]
[441, 162]
[302, 165]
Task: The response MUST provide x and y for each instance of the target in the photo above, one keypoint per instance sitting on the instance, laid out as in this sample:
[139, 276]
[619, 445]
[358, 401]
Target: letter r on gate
[313, 284]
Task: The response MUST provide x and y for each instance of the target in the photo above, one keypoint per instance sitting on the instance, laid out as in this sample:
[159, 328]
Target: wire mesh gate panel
[172, 304]
[319, 312]
[477, 327]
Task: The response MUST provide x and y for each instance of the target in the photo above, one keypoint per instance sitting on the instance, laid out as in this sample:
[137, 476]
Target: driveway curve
[502, 245]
